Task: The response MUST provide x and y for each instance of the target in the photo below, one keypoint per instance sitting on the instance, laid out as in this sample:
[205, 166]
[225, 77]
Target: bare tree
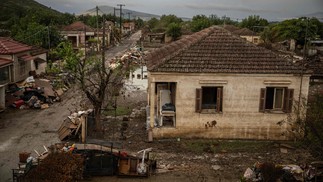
[100, 82]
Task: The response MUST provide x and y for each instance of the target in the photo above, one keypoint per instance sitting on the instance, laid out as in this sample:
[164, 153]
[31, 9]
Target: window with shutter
[209, 99]
[262, 100]
[198, 102]
[276, 99]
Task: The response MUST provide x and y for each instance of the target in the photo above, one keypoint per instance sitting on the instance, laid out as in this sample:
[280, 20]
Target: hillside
[109, 10]
[11, 10]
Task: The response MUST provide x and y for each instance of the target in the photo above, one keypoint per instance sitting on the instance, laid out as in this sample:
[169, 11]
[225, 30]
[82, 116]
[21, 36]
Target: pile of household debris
[133, 56]
[74, 125]
[271, 172]
[65, 162]
[32, 93]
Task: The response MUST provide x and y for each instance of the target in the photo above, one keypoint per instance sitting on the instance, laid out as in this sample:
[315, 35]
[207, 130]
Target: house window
[209, 99]
[138, 76]
[255, 40]
[36, 65]
[4, 75]
[22, 67]
[145, 77]
[276, 99]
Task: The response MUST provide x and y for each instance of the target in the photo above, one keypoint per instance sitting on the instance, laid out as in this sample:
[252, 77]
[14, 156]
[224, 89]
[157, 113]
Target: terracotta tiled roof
[316, 65]
[10, 46]
[77, 26]
[231, 28]
[4, 62]
[215, 50]
[244, 32]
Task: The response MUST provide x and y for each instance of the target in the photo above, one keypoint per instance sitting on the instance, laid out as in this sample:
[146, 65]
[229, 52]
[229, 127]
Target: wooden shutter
[288, 100]
[198, 100]
[219, 99]
[262, 101]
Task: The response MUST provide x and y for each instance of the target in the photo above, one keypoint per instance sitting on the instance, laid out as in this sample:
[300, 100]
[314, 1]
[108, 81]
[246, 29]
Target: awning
[40, 60]
[26, 57]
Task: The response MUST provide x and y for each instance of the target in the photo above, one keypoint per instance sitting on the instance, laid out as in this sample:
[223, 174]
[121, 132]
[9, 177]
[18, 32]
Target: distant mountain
[12, 10]
[318, 15]
[110, 10]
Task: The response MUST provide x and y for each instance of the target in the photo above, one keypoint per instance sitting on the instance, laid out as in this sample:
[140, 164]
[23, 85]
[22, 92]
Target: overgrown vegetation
[306, 125]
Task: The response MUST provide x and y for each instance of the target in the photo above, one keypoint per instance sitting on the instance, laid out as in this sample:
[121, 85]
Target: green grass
[215, 146]
[119, 112]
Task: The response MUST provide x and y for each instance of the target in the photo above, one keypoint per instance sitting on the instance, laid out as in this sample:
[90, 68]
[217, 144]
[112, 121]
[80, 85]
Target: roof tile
[216, 50]
[10, 46]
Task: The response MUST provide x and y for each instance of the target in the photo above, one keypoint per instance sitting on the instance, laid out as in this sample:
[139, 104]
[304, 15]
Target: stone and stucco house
[249, 35]
[17, 60]
[84, 37]
[214, 84]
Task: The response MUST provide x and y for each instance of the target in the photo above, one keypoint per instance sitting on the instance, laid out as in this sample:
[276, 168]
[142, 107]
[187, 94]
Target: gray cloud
[228, 8]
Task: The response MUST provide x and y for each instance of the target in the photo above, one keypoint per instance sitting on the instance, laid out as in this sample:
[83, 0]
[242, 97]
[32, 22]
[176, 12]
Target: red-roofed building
[16, 62]
[80, 34]
[214, 84]
[128, 27]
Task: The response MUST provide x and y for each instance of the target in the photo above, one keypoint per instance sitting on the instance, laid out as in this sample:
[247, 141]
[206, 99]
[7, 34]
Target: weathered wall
[252, 39]
[41, 65]
[240, 118]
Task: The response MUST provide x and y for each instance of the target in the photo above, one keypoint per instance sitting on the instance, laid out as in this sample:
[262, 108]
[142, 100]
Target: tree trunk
[97, 117]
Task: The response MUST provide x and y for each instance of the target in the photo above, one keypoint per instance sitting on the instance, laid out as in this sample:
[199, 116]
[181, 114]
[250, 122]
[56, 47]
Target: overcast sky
[236, 9]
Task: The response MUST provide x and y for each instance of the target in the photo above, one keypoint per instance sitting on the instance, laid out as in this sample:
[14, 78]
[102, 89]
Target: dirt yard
[178, 159]
[197, 159]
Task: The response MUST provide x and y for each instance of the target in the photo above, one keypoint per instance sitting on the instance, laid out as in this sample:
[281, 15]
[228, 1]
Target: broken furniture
[25, 164]
[136, 166]
[74, 125]
[166, 108]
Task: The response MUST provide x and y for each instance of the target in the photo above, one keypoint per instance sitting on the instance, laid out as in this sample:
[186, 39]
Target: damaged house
[17, 61]
[214, 84]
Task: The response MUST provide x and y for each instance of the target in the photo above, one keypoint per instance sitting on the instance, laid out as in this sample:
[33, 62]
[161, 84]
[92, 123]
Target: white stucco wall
[240, 118]
[41, 65]
[139, 83]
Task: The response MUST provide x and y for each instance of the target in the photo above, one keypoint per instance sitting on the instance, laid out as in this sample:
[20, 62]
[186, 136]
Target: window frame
[199, 100]
[287, 100]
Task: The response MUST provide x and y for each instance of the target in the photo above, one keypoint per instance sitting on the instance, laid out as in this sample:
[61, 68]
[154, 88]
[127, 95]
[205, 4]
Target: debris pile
[72, 124]
[63, 166]
[268, 171]
[133, 56]
[32, 93]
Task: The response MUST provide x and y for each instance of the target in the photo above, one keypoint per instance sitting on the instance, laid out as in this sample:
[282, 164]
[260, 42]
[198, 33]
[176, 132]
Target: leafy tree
[152, 23]
[296, 29]
[254, 22]
[200, 22]
[174, 30]
[215, 20]
[98, 82]
[139, 23]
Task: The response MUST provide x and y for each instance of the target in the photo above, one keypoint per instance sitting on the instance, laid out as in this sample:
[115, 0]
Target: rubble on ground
[32, 93]
[268, 171]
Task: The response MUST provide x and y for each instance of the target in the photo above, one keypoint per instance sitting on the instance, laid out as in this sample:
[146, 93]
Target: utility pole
[302, 70]
[97, 28]
[48, 37]
[120, 5]
[103, 48]
[129, 13]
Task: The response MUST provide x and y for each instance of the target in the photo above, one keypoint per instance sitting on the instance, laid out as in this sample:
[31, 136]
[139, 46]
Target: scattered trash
[271, 172]
[32, 93]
